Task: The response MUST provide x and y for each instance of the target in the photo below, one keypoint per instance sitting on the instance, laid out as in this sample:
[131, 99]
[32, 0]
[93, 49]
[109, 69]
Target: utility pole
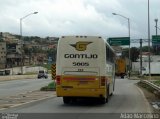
[140, 56]
[156, 20]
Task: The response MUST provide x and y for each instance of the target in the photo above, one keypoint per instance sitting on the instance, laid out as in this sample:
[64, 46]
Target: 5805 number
[80, 64]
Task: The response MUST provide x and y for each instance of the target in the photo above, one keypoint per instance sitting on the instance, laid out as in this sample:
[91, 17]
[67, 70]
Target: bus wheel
[107, 100]
[74, 100]
[66, 100]
[103, 100]
[111, 94]
[107, 94]
[122, 77]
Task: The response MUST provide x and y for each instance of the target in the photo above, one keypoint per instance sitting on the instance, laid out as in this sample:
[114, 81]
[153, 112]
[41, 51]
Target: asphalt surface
[16, 87]
[127, 98]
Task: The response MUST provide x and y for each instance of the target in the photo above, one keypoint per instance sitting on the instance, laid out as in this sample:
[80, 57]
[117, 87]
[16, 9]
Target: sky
[57, 18]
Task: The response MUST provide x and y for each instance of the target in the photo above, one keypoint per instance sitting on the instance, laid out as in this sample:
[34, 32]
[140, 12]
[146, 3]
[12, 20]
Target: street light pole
[129, 47]
[156, 20]
[149, 50]
[21, 38]
[157, 28]
[129, 39]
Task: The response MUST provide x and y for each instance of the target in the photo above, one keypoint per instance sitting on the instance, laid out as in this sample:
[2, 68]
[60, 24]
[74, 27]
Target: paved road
[127, 98]
[15, 87]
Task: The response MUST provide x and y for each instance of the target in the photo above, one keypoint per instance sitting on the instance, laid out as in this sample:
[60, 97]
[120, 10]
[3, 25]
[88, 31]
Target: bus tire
[107, 100]
[111, 94]
[66, 100]
[107, 94]
[74, 99]
[122, 77]
[103, 100]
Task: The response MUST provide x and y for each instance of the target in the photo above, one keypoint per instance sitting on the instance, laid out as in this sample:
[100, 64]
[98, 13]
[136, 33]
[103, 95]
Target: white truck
[154, 69]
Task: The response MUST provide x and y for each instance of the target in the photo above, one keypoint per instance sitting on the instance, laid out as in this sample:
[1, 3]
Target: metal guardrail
[152, 85]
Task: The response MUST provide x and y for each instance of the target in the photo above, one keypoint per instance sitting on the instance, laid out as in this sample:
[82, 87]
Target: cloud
[78, 17]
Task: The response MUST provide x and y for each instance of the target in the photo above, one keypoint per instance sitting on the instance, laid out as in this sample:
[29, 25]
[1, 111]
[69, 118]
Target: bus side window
[109, 55]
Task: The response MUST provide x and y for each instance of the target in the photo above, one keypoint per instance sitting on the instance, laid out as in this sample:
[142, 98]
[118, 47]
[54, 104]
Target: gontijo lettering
[81, 56]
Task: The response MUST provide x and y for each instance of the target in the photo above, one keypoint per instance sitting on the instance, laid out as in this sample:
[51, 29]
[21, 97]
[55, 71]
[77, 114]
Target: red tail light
[103, 80]
[58, 80]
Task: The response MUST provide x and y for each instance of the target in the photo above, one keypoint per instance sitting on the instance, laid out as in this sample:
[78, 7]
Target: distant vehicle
[85, 67]
[42, 74]
[120, 67]
[155, 69]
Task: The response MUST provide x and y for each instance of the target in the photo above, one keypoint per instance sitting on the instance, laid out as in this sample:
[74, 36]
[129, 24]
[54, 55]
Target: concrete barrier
[26, 69]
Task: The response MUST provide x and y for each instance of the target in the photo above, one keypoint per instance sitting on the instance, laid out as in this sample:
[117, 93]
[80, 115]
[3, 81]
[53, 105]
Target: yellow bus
[85, 67]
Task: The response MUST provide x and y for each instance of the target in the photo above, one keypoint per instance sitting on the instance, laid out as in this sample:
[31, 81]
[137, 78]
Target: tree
[125, 52]
[145, 49]
[37, 50]
[134, 53]
[52, 53]
[26, 50]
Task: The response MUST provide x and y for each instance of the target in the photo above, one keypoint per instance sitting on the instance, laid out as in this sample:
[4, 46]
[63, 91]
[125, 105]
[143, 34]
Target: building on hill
[3, 55]
[10, 38]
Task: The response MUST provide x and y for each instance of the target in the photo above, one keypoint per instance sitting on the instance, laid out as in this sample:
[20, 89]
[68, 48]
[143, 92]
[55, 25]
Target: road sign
[156, 39]
[119, 41]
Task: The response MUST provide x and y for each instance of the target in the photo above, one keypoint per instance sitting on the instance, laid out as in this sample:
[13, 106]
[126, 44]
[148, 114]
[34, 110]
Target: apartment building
[13, 56]
[2, 54]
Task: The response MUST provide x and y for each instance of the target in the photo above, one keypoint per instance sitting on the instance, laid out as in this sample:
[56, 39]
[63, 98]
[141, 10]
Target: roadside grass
[50, 87]
[148, 77]
[157, 82]
[154, 79]
[30, 73]
[149, 88]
